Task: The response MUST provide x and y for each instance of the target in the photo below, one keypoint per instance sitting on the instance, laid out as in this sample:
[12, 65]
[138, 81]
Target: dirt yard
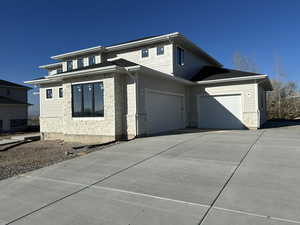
[38, 154]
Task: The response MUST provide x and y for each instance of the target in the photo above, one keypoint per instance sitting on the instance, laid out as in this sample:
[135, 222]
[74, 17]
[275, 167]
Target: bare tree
[284, 101]
[244, 63]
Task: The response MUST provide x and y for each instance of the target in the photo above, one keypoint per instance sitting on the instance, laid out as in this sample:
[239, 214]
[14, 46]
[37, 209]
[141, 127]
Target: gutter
[259, 77]
[60, 77]
[53, 65]
[78, 52]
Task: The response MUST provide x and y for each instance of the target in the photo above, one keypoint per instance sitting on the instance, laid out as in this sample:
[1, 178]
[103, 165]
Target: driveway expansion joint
[230, 177]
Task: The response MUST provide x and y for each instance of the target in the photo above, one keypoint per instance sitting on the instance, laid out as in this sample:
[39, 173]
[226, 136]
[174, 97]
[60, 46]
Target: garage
[220, 111]
[165, 111]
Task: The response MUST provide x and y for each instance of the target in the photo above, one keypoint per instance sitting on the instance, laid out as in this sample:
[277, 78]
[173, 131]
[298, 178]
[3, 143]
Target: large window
[69, 65]
[80, 63]
[92, 60]
[87, 100]
[180, 56]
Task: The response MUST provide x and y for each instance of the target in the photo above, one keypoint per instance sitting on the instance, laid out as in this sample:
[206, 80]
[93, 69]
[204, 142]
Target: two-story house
[13, 106]
[144, 87]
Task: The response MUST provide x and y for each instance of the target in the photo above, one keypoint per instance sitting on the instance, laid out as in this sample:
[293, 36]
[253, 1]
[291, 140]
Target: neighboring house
[13, 106]
[144, 87]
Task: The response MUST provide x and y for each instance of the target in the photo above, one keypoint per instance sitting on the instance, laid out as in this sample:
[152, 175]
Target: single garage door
[220, 111]
[165, 112]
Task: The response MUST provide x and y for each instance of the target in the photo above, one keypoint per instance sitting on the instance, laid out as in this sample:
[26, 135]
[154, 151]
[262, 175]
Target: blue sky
[267, 31]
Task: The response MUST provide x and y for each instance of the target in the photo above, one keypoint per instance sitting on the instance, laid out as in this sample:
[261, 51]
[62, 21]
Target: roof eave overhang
[133, 44]
[49, 66]
[78, 52]
[257, 78]
[60, 77]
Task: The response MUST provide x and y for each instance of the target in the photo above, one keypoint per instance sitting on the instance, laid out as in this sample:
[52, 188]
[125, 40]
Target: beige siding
[150, 81]
[249, 100]
[12, 112]
[161, 63]
[262, 105]
[192, 64]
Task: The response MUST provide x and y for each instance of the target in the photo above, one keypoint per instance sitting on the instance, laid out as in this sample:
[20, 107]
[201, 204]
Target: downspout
[135, 78]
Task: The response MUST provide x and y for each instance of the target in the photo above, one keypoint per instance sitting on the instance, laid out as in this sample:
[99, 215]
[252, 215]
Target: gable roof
[5, 83]
[215, 73]
[9, 101]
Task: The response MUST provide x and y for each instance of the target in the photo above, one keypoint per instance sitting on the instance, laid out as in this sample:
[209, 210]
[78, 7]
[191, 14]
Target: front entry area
[220, 112]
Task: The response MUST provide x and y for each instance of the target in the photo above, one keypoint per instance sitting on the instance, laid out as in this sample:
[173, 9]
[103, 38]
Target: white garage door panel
[222, 111]
[164, 112]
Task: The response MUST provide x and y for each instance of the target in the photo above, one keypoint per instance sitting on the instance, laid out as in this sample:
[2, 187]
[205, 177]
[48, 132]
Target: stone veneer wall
[87, 130]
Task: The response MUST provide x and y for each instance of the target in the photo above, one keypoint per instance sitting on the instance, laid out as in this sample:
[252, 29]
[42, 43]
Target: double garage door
[165, 111]
[220, 112]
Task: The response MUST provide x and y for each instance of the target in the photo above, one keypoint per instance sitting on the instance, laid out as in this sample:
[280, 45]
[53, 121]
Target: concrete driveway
[209, 178]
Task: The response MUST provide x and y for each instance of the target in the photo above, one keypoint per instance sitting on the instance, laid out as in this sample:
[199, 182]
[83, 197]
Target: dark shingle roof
[5, 100]
[215, 73]
[117, 62]
[10, 84]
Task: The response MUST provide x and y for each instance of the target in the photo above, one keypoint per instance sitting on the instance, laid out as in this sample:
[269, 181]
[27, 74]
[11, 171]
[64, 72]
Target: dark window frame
[59, 70]
[49, 93]
[180, 56]
[145, 52]
[158, 50]
[93, 114]
[69, 65]
[80, 63]
[60, 92]
[92, 60]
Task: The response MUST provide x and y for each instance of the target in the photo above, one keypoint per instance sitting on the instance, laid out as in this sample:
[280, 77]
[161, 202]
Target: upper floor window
[145, 52]
[80, 63]
[180, 56]
[49, 93]
[160, 50]
[92, 60]
[59, 70]
[7, 91]
[87, 100]
[69, 65]
[61, 92]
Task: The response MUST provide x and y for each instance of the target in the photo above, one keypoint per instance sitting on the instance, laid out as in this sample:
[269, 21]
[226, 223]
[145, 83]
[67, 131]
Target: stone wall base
[83, 139]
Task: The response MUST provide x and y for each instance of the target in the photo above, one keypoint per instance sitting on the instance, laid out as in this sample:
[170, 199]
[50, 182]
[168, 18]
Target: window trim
[93, 117]
[163, 52]
[148, 53]
[49, 89]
